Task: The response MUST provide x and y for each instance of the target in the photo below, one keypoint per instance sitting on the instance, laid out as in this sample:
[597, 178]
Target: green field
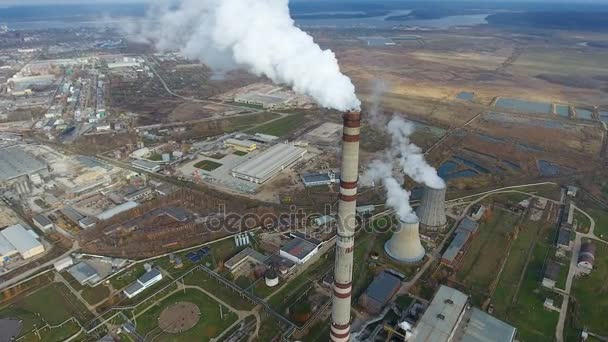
[53, 304]
[207, 165]
[210, 325]
[128, 276]
[590, 300]
[527, 312]
[94, 295]
[601, 222]
[282, 126]
[487, 250]
[204, 280]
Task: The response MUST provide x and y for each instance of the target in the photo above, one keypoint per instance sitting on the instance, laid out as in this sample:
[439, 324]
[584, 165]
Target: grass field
[487, 250]
[94, 295]
[232, 298]
[207, 165]
[127, 277]
[53, 304]
[526, 312]
[210, 325]
[590, 294]
[282, 126]
[601, 222]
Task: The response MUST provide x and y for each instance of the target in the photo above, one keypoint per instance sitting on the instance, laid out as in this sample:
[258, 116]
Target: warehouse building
[268, 163]
[320, 178]
[18, 241]
[462, 237]
[142, 283]
[241, 145]
[16, 162]
[84, 273]
[551, 274]
[262, 100]
[146, 165]
[42, 222]
[247, 254]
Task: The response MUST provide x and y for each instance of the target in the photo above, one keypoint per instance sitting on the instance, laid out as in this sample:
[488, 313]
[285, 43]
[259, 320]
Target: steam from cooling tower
[397, 197]
[258, 35]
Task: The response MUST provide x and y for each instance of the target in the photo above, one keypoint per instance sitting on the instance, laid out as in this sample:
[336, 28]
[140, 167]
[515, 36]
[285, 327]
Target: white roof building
[21, 241]
[268, 163]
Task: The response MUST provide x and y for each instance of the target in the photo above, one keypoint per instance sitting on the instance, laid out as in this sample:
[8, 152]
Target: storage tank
[271, 278]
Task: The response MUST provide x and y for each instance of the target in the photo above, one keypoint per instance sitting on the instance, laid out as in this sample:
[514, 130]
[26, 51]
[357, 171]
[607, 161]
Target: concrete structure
[551, 274]
[271, 278]
[264, 166]
[299, 250]
[404, 245]
[18, 240]
[42, 222]
[10, 328]
[479, 326]
[117, 210]
[241, 145]
[432, 209]
[586, 256]
[146, 165]
[379, 292]
[324, 220]
[564, 238]
[247, 254]
[320, 178]
[16, 162]
[87, 223]
[142, 283]
[444, 313]
[345, 239]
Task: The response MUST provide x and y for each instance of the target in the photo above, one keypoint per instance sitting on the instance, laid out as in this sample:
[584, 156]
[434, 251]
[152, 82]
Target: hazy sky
[45, 2]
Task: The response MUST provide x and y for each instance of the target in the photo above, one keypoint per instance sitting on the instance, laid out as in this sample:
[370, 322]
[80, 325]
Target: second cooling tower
[405, 244]
[432, 208]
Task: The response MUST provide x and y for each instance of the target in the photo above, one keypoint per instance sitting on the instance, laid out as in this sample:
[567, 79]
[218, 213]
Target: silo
[404, 245]
[432, 208]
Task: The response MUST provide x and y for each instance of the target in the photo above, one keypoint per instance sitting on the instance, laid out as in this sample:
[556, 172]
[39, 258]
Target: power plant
[432, 208]
[345, 241]
[404, 245]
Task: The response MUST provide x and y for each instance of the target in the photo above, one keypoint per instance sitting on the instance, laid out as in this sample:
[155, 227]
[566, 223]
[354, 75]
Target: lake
[466, 95]
[562, 110]
[523, 105]
[584, 114]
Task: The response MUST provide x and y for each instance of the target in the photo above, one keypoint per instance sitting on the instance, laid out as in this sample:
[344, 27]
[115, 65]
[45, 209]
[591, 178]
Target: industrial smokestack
[345, 242]
[404, 245]
[432, 208]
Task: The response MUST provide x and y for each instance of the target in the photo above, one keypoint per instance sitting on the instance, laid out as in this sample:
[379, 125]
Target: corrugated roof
[20, 238]
[266, 162]
[552, 270]
[485, 328]
[42, 220]
[441, 316]
[456, 245]
[299, 248]
[144, 279]
[468, 224]
[6, 249]
[15, 162]
[383, 287]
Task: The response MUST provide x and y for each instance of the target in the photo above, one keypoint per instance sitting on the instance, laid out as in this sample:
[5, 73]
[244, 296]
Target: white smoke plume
[259, 35]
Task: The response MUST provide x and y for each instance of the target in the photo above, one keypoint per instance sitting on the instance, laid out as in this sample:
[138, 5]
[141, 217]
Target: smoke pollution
[402, 155]
[258, 35]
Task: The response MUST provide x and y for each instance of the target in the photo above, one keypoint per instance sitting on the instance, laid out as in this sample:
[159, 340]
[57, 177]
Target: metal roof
[6, 248]
[383, 287]
[440, 318]
[20, 238]
[82, 272]
[133, 288]
[15, 162]
[148, 276]
[485, 328]
[42, 220]
[299, 248]
[244, 254]
[552, 270]
[468, 224]
[117, 210]
[563, 238]
[266, 163]
[460, 239]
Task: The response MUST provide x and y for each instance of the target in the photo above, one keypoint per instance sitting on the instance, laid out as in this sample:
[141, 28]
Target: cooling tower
[345, 240]
[432, 208]
[405, 244]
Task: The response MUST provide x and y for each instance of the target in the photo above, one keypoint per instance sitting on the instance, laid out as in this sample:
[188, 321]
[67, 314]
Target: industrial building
[42, 222]
[63, 264]
[268, 163]
[449, 318]
[551, 274]
[320, 178]
[263, 100]
[564, 238]
[432, 209]
[16, 162]
[379, 292]
[247, 254]
[16, 240]
[299, 249]
[241, 145]
[146, 165]
[150, 278]
[84, 273]
[466, 230]
[121, 208]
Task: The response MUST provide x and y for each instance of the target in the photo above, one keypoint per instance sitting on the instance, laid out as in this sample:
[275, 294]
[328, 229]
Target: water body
[562, 110]
[604, 116]
[584, 114]
[524, 106]
[548, 169]
[528, 148]
[466, 95]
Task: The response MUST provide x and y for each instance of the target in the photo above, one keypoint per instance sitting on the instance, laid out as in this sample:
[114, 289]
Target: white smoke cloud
[256, 34]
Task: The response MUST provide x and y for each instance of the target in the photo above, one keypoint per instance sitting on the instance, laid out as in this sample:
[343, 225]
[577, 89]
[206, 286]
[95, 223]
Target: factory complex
[262, 167]
[18, 241]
